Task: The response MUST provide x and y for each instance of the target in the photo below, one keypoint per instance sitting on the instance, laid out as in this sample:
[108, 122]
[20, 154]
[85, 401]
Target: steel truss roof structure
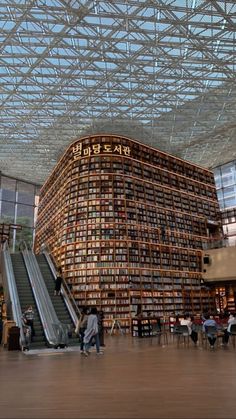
[162, 71]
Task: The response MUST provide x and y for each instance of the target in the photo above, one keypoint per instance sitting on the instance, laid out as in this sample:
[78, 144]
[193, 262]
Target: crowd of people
[89, 329]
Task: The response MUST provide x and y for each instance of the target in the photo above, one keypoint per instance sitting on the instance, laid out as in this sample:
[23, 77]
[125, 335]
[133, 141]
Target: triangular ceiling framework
[68, 67]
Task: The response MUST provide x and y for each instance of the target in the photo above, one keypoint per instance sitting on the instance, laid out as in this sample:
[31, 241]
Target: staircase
[26, 298]
[57, 300]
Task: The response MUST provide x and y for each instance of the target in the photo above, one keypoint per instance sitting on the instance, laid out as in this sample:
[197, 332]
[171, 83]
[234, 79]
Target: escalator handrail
[46, 250]
[65, 291]
[9, 282]
[46, 310]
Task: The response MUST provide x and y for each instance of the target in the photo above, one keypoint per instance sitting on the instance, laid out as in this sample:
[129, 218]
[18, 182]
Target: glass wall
[18, 206]
[225, 179]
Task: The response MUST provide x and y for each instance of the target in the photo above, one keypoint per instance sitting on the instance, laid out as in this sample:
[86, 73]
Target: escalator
[57, 300]
[26, 298]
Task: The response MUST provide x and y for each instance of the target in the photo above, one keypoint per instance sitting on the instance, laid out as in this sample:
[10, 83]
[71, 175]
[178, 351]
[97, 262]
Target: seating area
[221, 333]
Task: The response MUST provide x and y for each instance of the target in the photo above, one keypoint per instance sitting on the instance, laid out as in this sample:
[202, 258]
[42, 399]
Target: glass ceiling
[161, 71]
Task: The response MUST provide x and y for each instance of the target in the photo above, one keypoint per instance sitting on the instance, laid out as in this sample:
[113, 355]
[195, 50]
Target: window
[7, 212]
[8, 187]
[18, 204]
[218, 180]
[25, 193]
[25, 215]
[228, 174]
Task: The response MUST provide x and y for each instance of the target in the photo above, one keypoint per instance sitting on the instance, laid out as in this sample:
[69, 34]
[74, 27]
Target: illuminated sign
[84, 151]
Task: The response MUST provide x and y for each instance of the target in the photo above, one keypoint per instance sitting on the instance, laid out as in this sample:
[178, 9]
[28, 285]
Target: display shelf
[144, 327]
[123, 218]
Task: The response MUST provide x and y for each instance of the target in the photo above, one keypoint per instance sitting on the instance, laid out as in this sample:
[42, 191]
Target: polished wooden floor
[136, 378]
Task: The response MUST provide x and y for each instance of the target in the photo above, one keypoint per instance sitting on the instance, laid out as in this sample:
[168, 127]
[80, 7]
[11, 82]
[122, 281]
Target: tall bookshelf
[127, 222]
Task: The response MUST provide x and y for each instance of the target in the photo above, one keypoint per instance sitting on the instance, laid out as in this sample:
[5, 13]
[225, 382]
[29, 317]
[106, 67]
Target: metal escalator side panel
[9, 284]
[26, 298]
[41, 300]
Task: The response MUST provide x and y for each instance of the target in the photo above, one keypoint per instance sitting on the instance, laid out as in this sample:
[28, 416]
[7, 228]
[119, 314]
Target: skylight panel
[59, 57]
[149, 12]
[7, 25]
[206, 18]
[95, 20]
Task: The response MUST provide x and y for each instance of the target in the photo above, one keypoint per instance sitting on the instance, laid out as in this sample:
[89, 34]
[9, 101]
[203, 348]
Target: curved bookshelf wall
[127, 224]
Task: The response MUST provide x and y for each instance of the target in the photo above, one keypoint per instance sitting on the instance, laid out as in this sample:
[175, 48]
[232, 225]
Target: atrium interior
[118, 167]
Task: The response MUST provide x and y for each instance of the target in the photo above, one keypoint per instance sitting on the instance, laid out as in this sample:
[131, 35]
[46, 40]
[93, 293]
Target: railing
[217, 244]
[10, 289]
[65, 291]
[53, 329]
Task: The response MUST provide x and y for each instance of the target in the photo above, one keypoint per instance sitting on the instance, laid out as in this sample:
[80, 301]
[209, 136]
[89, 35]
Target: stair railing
[10, 290]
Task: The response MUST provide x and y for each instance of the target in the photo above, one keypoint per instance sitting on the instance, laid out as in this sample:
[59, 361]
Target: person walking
[92, 332]
[81, 327]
